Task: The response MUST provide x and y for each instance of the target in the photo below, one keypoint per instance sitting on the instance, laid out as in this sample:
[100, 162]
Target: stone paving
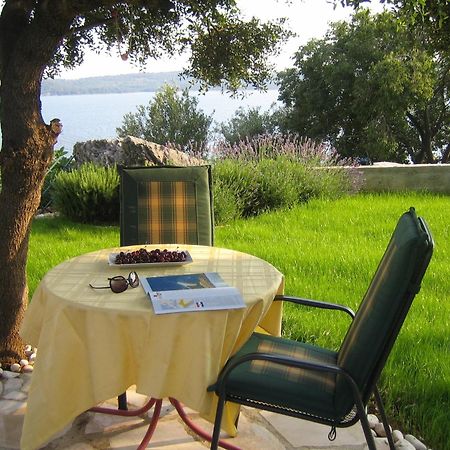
[257, 429]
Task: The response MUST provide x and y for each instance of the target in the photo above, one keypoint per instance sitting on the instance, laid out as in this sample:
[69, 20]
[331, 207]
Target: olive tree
[39, 37]
[172, 116]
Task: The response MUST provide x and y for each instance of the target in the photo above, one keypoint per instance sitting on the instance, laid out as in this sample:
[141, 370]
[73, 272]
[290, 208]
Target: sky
[307, 18]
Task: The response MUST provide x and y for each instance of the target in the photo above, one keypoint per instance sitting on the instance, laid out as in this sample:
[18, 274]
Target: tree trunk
[27, 149]
[24, 159]
[28, 42]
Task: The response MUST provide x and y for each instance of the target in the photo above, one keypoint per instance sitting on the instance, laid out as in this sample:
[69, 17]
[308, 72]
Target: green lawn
[329, 250]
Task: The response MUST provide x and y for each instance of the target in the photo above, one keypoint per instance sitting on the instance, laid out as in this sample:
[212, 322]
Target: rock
[32, 358]
[397, 435]
[379, 429]
[415, 442]
[15, 367]
[1, 371]
[27, 368]
[9, 374]
[23, 362]
[403, 444]
[373, 420]
[130, 151]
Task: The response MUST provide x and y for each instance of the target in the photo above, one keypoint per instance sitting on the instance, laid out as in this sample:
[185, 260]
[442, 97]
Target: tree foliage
[172, 116]
[248, 123]
[372, 89]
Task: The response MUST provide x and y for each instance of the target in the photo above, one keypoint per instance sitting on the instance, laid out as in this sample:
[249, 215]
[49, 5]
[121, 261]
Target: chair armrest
[315, 304]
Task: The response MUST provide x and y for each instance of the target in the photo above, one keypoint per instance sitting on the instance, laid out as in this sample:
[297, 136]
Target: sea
[96, 116]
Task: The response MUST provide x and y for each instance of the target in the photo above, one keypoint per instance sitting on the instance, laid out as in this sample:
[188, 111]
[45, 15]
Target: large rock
[130, 151]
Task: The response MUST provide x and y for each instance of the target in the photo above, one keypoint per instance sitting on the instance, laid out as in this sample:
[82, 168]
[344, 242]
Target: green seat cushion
[289, 387]
[163, 205]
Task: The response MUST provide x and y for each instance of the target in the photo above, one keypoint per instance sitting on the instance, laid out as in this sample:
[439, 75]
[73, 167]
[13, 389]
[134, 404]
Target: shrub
[89, 194]
[61, 162]
[274, 172]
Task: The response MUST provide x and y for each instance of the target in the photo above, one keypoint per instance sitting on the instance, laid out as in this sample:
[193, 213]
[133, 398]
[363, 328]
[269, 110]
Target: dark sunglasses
[119, 283]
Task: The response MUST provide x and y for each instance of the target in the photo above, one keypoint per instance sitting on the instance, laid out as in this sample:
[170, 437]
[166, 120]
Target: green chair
[320, 385]
[166, 205]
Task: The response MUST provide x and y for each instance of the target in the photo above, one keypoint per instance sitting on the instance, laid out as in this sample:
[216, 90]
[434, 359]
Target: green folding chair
[320, 385]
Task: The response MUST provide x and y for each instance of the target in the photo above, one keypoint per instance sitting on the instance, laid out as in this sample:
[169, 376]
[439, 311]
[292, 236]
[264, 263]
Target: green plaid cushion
[167, 212]
[289, 387]
[166, 205]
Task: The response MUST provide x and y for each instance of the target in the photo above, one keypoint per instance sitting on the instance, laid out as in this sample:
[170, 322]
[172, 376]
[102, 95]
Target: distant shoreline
[121, 84]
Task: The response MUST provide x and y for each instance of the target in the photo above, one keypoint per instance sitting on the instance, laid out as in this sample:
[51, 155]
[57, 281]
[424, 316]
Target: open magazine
[191, 292]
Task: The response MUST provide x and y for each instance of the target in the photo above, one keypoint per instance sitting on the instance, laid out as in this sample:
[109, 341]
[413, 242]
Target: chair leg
[122, 401]
[217, 423]
[384, 418]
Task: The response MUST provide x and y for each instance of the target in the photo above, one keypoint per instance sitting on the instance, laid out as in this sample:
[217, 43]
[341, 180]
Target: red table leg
[196, 429]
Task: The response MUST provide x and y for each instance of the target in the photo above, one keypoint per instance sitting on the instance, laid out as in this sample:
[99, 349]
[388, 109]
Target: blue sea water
[96, 116]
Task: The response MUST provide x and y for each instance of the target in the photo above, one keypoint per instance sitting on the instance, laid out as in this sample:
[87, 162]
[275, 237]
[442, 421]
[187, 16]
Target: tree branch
[14, 18]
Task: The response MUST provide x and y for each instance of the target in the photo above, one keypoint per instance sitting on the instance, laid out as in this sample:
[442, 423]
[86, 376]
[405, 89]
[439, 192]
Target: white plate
[188, 260]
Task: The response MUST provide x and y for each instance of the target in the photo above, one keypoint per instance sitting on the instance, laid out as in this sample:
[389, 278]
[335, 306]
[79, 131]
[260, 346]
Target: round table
[96, 344]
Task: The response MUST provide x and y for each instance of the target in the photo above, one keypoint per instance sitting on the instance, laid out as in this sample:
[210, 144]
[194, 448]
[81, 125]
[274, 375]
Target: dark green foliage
[61, 162]
[172, 116]
[89, 194]
[248, 123]
[372, 88]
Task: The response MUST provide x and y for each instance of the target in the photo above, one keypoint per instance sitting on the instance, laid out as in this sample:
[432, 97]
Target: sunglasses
[119, 283]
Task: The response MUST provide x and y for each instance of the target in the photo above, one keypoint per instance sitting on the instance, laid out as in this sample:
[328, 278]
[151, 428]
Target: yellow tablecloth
[94, 344]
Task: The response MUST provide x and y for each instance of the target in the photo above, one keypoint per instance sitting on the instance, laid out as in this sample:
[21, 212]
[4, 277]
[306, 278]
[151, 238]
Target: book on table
[191, 292]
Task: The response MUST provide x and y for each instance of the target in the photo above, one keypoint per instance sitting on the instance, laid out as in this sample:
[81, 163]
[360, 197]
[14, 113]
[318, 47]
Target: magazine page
[191, 292]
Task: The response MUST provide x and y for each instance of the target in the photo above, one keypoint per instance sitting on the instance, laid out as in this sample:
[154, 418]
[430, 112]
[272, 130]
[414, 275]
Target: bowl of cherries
[153, 257]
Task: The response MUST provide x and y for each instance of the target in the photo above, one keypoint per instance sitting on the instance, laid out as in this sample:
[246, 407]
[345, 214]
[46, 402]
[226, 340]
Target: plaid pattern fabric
[282, 347]
[167, 212]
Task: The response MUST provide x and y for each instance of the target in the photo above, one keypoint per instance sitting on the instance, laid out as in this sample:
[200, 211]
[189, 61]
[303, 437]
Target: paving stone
[253, 434]
[80, 446]
[11, 407]
[303, 434]
[15, 395]
[169, 433]
[12, 384]
[106, 423]
[11, 424]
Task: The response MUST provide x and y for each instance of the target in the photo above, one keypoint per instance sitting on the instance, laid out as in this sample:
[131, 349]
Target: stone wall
[130, 151]
[390, 177]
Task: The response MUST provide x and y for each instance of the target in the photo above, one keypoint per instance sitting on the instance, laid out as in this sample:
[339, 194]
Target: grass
[329, 250]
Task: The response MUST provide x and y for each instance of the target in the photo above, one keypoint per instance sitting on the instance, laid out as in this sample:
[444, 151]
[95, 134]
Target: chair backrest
[380, 316]
[166, 204]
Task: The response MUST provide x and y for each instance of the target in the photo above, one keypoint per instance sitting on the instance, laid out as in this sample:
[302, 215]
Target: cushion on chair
[384, 307]
[166, 205]
[293, 388]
